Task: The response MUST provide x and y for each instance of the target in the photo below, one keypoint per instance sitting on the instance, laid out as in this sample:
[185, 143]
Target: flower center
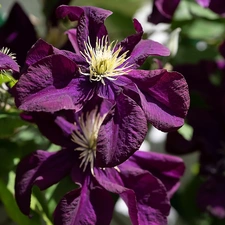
[104, 60]
[87, 138]
[3, 72]
[6, 51]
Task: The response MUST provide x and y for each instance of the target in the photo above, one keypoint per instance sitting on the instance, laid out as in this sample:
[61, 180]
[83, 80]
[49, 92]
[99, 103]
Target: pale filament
[104, 60]
[87, 138]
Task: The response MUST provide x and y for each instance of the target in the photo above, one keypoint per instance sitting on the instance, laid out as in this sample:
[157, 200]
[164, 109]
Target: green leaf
[188, 10]
[186, 131]
[40, 205]
[6, 77]
[9, 123]
[204, 29]
[56, 192]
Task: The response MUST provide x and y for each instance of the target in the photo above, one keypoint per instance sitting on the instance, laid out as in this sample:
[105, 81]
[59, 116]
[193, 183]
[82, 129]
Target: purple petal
[49, 86]
[144, 194]
[40, 168]
[41, 49]
[144, 49]
[7, 63]
[164, 97]
[84, 206]
[122, 134]
[168, 169]
[72, 34]
[90, 22]
[108, 91]
[38, 51]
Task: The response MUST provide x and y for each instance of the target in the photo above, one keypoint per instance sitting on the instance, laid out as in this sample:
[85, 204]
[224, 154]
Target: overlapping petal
[163, 95]
[139, 189]
[85, 206]
[90, 22]
[7, 63]
[123, 134]
[169, 169]
[144, 49]
[41, 168]
[48, 85]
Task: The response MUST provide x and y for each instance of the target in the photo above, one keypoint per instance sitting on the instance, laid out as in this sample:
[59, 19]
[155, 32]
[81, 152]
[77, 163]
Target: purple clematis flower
[142, 181]
[120, 137]
[57, 80]
[164, 10]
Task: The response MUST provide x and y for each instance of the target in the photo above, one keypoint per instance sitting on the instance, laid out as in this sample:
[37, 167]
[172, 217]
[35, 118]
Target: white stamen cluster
[87, 139]
[6, 51]
[105, 60]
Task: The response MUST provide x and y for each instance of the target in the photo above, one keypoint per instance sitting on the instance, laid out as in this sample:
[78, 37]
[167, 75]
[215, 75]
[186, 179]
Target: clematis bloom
[142, 181]
[57, 79]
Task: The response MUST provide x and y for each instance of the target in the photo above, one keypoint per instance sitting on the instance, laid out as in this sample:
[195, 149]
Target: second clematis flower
[7, 61]
[145, 181]
[56, 79]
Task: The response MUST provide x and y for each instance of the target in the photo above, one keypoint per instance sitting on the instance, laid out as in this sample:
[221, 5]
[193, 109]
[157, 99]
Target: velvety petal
[49, 86]
[90, 22]
[144, 49]
[169, 169]
[108, 91]
[18, 33]
[40, 168]
[85, 207]
[41, 49]
[122, 134]
[211, 196]
[7, 63]
[164, 96]
[38, 51]
[72, 35]
[144, 194]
